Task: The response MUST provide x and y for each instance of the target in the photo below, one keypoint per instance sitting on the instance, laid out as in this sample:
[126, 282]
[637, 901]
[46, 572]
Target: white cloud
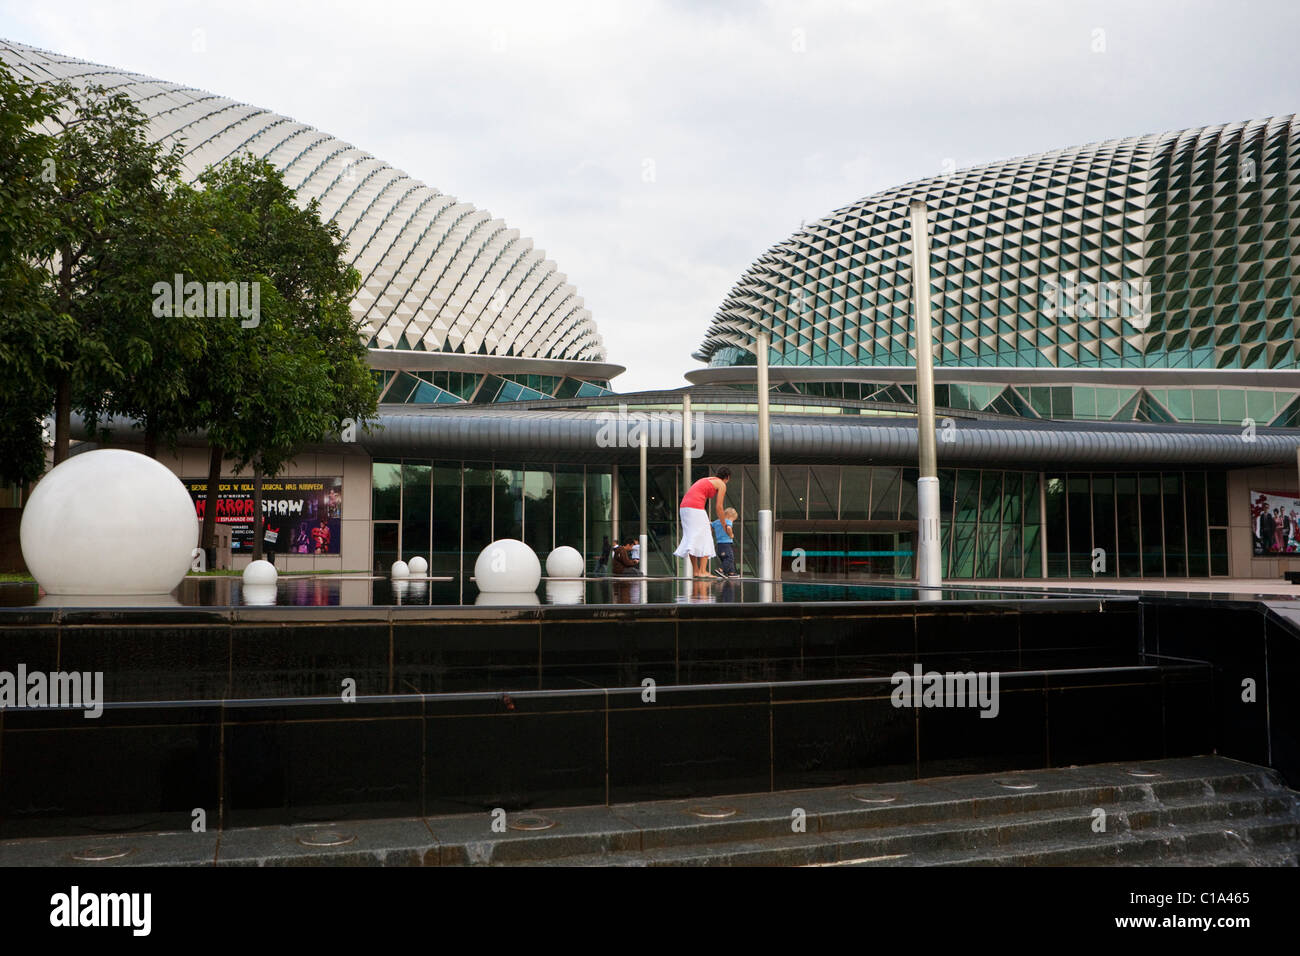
[545, 113]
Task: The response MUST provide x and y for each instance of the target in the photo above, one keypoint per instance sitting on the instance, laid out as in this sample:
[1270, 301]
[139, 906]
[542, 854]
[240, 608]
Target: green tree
[31, 339]
[299, 374]
[107, 186]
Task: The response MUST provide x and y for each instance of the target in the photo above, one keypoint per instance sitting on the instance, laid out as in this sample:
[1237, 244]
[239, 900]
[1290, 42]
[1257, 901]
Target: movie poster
[1275, 522]
[303, 515]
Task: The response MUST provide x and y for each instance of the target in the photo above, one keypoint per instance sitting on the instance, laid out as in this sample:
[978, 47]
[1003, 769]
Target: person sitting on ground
[722, 533]
[624, 564]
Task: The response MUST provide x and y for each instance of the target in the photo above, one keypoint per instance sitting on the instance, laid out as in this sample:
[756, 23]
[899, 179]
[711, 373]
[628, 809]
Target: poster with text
[1275, 522]
[303, 515]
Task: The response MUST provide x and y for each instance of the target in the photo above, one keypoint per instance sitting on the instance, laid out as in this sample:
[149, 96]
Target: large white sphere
[564, 562]
[399, 570]
[507, 565]
[109, 522]
[419, 567]
[260, 572]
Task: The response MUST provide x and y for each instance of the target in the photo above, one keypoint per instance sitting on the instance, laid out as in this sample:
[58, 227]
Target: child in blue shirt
[727, 554]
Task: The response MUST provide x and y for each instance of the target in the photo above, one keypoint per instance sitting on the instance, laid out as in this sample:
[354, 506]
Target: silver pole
[766, 564]
[928, 566]
[645, 536]
[687, 569]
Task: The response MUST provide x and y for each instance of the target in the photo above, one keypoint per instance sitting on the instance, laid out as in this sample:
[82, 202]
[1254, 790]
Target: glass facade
[994, 523]
[480, 388]
[1202, 405]
[1172, 250]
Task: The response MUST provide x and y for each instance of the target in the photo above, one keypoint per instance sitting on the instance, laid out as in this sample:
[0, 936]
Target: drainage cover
[711, 812]
[863, 796]
[327, 838]
[531, 821]
[1017, 784]
[101, 854]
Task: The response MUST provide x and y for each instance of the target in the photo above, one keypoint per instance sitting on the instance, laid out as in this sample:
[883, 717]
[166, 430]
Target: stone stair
[1193, 811]
[1198, 811]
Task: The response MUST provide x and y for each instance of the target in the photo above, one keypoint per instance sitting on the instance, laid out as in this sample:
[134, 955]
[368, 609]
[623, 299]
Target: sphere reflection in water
[564, 592]
[258, 594]
[507, 599]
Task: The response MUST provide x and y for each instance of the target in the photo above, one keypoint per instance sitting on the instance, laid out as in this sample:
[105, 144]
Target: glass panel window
[964, 523]
[885, 488]
[386, 491]
[477, 517]
[508, 503]
[1058, 551]
[1198, 557]
[1175, 526]
[600, 518]
[1080, 527]
[1232, 405]
[1219, 552]
[1180, 404]
[907, 500]
[1216, 488]
[823, 491]
[1031, 550]
[1153, 565]
[855, 484]
[1103, 525]
[539, 511]
[1128, 555]
[1205, 405]
[416, 494]
[1259, 406]
[791, 489]
[445, 548]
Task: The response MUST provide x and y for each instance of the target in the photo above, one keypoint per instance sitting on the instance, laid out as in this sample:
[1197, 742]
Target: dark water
[331, 590]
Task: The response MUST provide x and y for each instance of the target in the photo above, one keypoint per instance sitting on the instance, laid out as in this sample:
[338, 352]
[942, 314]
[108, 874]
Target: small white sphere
[564, 562]
[507, 565]
[399, 570]
[109, 521]
[260, 572]
[419, 567]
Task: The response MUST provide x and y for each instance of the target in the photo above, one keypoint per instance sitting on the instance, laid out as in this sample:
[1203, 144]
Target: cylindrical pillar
[644, 540]
[928, 567]
[766, 563]
[687, 570]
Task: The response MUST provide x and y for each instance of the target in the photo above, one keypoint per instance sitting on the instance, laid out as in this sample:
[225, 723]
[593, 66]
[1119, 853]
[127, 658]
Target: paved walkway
[1250, 587]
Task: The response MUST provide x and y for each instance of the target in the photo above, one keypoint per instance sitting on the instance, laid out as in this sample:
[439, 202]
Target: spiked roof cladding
[1176, 250]
[438, 275]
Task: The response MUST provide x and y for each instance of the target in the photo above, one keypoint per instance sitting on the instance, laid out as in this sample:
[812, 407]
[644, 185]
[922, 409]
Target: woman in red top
[697, 533]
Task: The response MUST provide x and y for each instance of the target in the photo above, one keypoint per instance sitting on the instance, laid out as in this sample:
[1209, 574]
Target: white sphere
[399, 570]
[260, 572]
[109, 522]
[564, 562]
[419, 567]
[507, 565]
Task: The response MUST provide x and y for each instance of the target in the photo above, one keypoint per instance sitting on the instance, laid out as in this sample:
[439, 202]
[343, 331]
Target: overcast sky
[655, 149]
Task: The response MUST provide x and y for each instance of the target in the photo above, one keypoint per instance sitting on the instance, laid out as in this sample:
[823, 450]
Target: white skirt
[697, 534]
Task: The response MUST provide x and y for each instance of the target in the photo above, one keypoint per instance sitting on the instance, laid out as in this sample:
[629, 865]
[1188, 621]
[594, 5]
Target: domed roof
[1174, 250]
[438, 274]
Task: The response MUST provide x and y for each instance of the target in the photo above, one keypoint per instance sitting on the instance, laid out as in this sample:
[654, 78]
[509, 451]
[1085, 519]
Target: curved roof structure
[438, 274]
[1175, 250]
